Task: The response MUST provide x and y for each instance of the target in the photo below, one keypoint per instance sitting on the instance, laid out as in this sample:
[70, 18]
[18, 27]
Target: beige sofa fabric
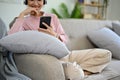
[39, 67]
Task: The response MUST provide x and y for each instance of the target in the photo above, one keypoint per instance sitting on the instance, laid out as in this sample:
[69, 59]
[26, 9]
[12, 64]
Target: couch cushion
[107, 39]
[39, 67]
[115, 65]
[77, 30]
[106, 74]
[34, 42]
[116, 27]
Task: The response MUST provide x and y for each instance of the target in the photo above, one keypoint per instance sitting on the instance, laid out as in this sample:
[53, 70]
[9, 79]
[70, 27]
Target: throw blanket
[8, 69]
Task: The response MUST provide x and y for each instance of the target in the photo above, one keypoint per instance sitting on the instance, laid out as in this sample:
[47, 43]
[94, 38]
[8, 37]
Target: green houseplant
[106, 2]
[76, 12]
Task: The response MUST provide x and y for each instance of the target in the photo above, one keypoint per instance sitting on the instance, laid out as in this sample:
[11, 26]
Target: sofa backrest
[3, 29]
[77, 30]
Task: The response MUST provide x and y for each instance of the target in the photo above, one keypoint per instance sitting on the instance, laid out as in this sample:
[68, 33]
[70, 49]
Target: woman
[29, 20]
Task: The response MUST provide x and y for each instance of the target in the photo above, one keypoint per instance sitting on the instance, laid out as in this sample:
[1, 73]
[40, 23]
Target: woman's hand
[29, 10]
[49, 30]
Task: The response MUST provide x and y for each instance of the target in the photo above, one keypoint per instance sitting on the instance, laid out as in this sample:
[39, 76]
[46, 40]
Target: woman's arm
[16, 26]
[59, 30]
[55, 29]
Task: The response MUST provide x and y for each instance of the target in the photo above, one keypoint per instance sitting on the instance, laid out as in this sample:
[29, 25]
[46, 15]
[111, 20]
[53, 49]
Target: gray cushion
[107, 39]
[116, 27]
[106, 74]
[3, 29]
[34, 42]
[39, 67]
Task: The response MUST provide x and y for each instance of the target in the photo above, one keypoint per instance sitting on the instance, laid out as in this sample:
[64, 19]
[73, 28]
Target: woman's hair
[26, 2]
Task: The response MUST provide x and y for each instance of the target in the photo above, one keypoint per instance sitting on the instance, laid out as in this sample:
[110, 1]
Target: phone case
[45, 19]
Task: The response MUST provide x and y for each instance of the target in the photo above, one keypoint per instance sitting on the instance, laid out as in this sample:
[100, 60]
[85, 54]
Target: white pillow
[34, 42]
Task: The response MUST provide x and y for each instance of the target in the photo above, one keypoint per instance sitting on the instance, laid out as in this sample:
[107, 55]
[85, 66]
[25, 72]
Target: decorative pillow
[34, 42]
[73, 71]
[106, 39]
[116, 27]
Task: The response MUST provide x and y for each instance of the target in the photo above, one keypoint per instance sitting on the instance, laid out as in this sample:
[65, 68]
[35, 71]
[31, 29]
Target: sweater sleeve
[59, 30]
[17, 26]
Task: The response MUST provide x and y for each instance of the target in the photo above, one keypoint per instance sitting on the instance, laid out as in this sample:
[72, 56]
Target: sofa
[47, 67]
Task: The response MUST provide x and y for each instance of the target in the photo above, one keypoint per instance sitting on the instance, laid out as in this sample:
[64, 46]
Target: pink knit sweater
[32, 23]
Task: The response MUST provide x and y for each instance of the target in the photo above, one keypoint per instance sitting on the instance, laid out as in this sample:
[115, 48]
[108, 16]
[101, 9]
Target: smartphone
[45, 19]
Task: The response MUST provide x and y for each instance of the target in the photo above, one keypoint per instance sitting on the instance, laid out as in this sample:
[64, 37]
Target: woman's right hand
[29, 10]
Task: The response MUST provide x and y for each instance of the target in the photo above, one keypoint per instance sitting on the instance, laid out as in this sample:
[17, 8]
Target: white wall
[8, 10]
[113, 12]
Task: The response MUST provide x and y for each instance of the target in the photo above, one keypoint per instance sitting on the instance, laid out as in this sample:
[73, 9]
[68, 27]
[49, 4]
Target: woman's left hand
[49, 30]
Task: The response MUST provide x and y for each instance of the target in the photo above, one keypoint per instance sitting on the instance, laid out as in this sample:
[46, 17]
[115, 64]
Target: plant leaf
[76, 13]
[55, 12]
[64, 10]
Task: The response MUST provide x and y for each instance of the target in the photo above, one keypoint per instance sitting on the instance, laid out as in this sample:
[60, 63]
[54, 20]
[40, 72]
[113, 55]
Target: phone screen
[45, 19]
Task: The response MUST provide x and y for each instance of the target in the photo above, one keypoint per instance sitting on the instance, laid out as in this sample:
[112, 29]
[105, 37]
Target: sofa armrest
[39, 67]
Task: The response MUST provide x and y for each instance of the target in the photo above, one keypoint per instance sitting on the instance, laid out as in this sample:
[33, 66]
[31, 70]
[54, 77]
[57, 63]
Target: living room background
[10, 10]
